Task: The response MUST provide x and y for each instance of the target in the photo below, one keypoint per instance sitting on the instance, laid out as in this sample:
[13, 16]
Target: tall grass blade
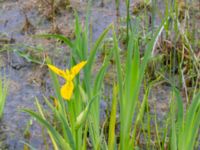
[3, 93]
[139, 116]
[67, 133]
[95, 48]
[180, 119]
[112, 122]
[192, 122]
[61, 142]
[57, 37]
[39, 107]
[173, 139]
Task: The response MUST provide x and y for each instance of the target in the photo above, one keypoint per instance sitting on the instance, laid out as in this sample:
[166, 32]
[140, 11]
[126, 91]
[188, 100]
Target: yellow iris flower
[67, 89]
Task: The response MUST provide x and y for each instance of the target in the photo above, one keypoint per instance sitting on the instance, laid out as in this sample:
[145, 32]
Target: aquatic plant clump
[130, 78]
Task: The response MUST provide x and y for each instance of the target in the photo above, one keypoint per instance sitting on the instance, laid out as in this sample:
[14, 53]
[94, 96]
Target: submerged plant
[67, 89]
[3, 93]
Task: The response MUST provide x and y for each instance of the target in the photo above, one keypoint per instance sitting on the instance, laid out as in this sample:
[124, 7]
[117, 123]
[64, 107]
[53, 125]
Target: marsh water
[19, 21]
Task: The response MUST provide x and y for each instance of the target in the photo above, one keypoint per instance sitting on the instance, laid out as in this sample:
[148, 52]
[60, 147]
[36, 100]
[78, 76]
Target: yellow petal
[76, 69]
[57, 71]
[67, 90]
[69, 76]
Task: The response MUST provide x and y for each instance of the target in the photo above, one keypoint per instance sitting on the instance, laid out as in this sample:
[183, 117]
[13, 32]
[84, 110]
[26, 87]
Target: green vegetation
[3, 93]
[139, 65]
[85, 103]
[184, 131]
